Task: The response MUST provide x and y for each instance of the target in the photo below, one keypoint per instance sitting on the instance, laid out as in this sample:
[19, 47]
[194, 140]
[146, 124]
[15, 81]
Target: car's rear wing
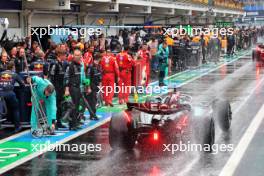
[158, 108]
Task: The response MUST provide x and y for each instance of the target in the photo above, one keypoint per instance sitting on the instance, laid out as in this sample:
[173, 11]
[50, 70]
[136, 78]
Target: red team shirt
[109, 65]
[145, 55]
[125, 61]
[87, 59]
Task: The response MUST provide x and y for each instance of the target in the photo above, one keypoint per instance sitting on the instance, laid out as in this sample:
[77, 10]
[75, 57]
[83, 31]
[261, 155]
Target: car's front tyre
[223, 114]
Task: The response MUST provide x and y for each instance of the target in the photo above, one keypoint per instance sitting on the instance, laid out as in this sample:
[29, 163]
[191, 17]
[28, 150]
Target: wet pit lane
[241, 82]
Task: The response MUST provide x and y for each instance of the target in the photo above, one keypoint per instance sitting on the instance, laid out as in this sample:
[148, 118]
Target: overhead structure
[140, 6]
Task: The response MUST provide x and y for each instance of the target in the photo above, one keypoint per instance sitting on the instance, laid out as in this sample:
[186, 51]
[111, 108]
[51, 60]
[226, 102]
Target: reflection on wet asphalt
[240, 82]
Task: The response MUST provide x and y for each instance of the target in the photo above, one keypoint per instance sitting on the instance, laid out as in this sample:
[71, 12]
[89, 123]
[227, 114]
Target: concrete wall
[41, 20]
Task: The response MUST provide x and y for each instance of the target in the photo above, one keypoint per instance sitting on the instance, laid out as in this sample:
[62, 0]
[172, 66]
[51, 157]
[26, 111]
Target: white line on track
[189, 167]
[216, 68]
[13, 136]
[196, 159]
[250, 94]
[234, 160]
[211, 70]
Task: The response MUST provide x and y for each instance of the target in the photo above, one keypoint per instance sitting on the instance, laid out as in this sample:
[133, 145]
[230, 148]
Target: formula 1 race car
[258, 53]
[167, 119]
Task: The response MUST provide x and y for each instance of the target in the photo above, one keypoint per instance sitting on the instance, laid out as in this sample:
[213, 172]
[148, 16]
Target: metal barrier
[179, 57]
[194, 55]
[139, 73]
[184, 57]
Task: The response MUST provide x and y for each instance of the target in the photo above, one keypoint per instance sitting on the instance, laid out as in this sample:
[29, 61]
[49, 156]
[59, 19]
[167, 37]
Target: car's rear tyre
[223, 114]
[209, 134]
[203, 133]
[120, 132]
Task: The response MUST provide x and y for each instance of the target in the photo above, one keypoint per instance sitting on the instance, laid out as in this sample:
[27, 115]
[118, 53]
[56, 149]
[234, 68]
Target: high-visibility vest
[224, 43]
[206, 38]
[196, 39]
[169, 41]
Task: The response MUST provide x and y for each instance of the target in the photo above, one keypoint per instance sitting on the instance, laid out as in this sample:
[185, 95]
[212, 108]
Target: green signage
[222, 24]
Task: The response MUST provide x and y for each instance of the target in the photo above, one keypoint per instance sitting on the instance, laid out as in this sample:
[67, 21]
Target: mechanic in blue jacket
[44, 91]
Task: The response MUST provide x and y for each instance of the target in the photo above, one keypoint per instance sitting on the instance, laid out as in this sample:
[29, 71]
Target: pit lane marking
[14, 136]
[247, 98]
[67, 139]
[210, 70]
[233, 162]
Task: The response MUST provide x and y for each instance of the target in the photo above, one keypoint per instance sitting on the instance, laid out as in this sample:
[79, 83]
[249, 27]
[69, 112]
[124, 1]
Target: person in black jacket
[203, 44]
[114, 42]
[20, 61]
[94, 74]
[56, 76]
[51, 53]
[74, 82]
[230, 44]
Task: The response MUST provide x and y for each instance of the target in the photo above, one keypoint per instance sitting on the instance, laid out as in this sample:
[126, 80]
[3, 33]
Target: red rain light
[156, 136]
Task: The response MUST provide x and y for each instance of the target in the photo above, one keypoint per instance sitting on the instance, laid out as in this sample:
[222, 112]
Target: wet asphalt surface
[241, 82]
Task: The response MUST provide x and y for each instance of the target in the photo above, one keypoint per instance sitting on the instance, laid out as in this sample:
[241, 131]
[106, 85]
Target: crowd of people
[78, 69]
